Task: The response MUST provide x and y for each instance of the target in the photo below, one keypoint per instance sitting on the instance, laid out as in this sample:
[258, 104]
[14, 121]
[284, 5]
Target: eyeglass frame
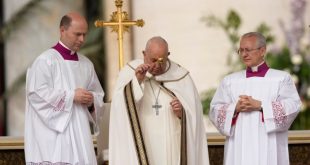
[245, 50]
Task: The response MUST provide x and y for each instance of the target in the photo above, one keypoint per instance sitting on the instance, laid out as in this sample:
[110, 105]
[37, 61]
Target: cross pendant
[156, 106]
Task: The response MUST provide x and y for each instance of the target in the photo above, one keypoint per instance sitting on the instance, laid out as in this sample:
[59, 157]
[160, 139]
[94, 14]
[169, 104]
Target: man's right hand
[83, 96]
[141, 72]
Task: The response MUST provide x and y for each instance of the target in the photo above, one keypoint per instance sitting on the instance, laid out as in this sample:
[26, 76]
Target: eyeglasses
[240, 51]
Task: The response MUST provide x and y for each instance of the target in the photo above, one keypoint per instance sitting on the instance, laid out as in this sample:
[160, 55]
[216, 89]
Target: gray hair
[260, 39]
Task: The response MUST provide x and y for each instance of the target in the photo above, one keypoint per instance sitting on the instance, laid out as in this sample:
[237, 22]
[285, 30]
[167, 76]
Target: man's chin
[77, 49]
[247, 64]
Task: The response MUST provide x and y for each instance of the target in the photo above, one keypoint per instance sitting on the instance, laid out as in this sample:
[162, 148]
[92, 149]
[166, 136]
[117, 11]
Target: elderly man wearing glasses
[254, 108]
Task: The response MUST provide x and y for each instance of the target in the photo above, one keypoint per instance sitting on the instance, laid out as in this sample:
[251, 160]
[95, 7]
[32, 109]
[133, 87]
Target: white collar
[255, 68]
[71, 52]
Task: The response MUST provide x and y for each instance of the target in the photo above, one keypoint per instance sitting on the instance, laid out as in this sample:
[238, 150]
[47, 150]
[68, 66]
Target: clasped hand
[83, 96]
[248, 104]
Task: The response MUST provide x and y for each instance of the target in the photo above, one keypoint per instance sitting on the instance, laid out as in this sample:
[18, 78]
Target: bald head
[156, 42]
[67, 19]
[73, 29]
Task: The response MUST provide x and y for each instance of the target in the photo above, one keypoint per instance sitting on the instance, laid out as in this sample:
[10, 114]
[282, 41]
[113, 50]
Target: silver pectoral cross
[156, 106]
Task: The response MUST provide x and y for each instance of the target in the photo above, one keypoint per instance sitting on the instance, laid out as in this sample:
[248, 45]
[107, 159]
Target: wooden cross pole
[119, 23]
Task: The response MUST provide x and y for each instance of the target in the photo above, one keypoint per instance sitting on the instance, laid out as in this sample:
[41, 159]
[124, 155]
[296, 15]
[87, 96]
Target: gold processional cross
[119, 23]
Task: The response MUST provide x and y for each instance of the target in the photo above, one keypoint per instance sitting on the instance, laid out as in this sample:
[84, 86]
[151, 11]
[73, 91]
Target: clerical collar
[66, 53]
[257, 71]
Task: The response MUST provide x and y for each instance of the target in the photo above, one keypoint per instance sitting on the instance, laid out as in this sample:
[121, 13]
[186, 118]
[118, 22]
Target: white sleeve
[280, 113]
[94, 86]
[222, 109]
[137, 89]
[53, 106]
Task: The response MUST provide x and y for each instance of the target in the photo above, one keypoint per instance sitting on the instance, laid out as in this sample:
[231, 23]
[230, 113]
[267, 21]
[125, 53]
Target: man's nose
[156, 64]
[82, 38]
[244, 54]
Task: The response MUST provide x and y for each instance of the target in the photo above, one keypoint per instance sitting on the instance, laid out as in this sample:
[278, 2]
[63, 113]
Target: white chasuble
[57, 130]
[256, 138]
[159, 140]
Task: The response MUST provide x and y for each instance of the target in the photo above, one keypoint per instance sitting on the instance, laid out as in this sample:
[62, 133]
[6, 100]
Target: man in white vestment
[63, 95]
[254, 108]
[156, 114]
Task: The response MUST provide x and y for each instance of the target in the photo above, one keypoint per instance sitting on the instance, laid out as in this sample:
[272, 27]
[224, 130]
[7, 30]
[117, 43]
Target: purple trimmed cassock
[256, 138]
[57, 130]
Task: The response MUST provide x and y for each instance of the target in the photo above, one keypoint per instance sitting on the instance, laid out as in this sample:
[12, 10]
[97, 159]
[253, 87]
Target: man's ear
[143, 52]
[62, 29]
[263, 51]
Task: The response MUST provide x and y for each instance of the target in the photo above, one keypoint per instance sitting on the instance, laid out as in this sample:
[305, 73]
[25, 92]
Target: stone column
[2, 76]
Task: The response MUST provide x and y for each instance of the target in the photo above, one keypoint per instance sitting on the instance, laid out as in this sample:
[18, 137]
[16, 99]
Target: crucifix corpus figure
[119, 23]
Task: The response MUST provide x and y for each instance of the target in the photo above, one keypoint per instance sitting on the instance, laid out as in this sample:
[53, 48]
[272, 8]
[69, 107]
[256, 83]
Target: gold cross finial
[119, 23]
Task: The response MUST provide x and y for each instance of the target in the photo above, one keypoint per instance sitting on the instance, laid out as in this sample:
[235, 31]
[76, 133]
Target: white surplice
[57, 130]
[253, 140]
[161, 132]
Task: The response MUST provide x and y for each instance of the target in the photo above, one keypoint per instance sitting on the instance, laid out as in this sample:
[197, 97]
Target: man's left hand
[83, 96]
[176, 107]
